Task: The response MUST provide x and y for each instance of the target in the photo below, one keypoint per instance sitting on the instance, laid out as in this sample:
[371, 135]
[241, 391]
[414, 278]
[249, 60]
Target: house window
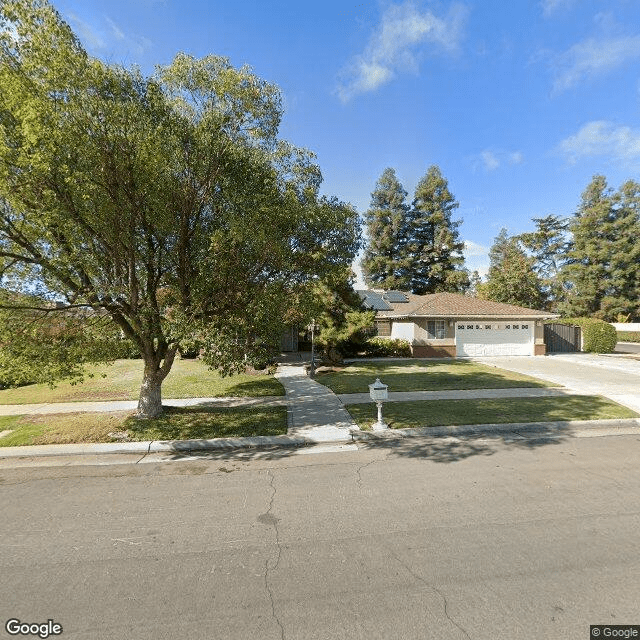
[515, 326]
[525, 326]
[436, 329]
[383, 327]
[507, 326]
[460, 326]
[487, 326]
[469, 326]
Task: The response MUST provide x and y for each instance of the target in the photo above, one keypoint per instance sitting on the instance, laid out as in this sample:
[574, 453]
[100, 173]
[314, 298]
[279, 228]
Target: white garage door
[495, 339]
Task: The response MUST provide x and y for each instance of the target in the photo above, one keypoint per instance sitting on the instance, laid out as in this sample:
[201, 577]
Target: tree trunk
[150, 402]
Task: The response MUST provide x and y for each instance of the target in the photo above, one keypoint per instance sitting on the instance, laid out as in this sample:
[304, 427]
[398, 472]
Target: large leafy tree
[603, 261]
[383, 263]
[511, 278]
[166, 203]
[434, 251]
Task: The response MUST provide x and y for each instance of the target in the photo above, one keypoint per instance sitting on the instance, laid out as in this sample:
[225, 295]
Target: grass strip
[432, 413]
[628, 336]
[421, 375]
[176, 423]
[121, 381]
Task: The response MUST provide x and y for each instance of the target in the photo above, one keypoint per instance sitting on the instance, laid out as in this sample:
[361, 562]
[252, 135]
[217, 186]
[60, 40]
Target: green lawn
[121, 381]
[425, 375]
[431, 413]
[175, 424]
[628, 336]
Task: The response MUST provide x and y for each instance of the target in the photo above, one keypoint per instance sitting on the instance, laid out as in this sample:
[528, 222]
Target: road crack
[269, 519]
[145, 454]
[359, 471]
[436, 590]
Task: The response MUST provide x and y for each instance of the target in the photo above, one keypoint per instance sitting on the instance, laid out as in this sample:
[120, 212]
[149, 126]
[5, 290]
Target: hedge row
[386, 348]
[598, 336]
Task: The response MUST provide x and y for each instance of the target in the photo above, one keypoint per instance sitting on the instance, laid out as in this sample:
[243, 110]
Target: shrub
[598, 336]
[387, 348]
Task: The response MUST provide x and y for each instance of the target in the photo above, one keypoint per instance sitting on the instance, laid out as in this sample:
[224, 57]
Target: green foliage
[414, 248]
[603, 263]
[511, 278]
[386, 221]
[340, 318]
[598, 336]
[43, 344]
[548, 246]
[386, 348]
[166, 202]
[434, 260]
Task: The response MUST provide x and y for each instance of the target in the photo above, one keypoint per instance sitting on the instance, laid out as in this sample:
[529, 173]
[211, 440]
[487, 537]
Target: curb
[155, 446]
[624, 426]
[629, 425]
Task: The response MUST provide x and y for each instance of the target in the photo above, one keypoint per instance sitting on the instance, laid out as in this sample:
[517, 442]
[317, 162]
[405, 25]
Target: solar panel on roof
[373, 300]
[395, 296]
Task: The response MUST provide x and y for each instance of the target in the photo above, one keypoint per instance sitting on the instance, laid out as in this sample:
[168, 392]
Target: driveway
[616, 378]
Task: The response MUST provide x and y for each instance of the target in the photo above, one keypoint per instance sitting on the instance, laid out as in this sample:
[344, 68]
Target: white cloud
[110, 36]
[601, 138]
[549, 7]
[115, 29]
[476, 257]
[593, 57]
[490, 160]
[516, 157]
[86, 32]
[394, 47]
[473, 249]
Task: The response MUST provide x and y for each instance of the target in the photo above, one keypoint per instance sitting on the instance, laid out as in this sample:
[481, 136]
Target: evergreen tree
[623, 295]
[434, 260]
[548, 246]
[385, 220]
[603, 262]
[511, 278]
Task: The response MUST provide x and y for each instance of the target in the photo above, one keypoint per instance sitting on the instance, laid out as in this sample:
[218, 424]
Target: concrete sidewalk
[130, 405]
[463, 394]
[314, 412]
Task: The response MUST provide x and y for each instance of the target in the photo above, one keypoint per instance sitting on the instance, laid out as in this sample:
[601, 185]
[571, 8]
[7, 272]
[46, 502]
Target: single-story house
[455, 325]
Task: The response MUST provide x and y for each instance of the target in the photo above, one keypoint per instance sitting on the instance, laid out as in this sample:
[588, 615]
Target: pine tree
[548, 245]
[603, 262]
[585, 270]
[434, 260]
[511, 278]
[383, 260]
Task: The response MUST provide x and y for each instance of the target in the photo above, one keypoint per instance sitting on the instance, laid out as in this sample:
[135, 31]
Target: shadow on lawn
[256, 388]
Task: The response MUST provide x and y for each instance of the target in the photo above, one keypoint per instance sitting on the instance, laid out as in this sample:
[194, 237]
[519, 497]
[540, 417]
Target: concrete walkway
[315, 412]
[130, 405]
[616, 378]
[463, 394]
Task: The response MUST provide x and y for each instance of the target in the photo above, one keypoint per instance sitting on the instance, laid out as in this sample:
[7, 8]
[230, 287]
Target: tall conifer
[434, 259]
[384, 255]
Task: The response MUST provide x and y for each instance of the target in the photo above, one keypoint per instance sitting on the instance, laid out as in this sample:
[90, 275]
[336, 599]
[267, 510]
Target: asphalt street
[495, 537]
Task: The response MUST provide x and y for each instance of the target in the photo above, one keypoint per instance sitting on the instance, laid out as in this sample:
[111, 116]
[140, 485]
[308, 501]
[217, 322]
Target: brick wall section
[428, 351]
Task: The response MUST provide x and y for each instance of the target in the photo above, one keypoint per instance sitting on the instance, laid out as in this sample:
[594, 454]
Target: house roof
[444, 305]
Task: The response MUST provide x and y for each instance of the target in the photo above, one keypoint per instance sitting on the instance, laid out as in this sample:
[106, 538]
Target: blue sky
[519, 103]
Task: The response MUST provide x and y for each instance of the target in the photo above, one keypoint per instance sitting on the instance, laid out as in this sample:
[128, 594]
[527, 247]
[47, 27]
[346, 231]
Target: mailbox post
[378, 393]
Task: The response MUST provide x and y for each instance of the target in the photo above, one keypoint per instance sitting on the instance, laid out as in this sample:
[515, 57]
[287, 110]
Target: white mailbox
[378, 393]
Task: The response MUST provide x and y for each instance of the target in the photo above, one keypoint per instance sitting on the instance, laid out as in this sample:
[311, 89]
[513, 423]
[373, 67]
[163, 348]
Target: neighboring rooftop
[388, 304]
